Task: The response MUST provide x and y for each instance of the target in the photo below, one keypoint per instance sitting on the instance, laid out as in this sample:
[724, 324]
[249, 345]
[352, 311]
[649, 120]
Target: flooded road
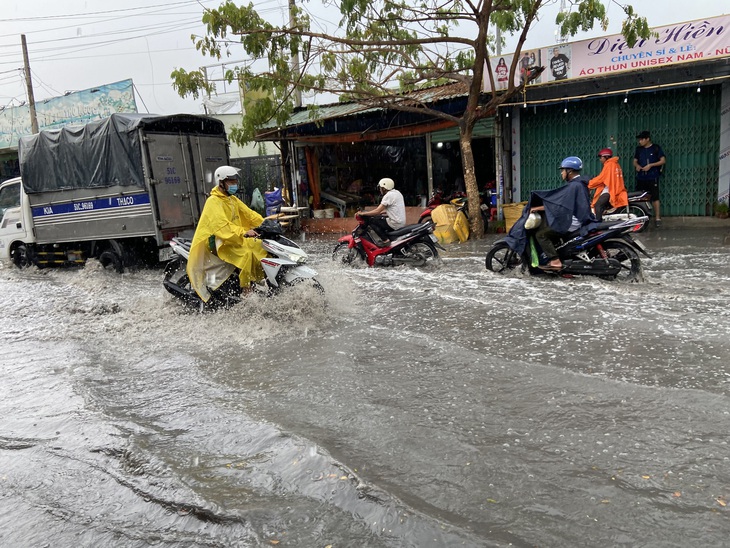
[449, 406]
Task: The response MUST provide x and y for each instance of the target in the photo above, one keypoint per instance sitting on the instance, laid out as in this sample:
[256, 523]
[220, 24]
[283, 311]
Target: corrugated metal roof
[340, 110]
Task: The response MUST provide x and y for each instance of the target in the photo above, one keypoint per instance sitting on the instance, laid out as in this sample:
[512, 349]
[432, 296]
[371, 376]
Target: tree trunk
[476, 226]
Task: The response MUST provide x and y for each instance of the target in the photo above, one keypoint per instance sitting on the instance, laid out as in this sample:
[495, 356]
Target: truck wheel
[21, 256]
[110, 259]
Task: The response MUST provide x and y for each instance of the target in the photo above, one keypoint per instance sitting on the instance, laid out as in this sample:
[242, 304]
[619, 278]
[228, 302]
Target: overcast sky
[80, 44]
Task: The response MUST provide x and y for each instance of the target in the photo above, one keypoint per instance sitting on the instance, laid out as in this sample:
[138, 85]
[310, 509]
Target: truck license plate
[166, 254]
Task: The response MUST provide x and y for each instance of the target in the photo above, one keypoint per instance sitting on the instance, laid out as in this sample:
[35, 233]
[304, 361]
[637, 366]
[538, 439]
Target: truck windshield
[9, 197]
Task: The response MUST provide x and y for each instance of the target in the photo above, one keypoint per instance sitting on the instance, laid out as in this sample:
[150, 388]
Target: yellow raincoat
[227, 219]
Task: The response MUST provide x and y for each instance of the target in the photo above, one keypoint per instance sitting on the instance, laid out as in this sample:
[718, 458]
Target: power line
[173, 25]
[61, 51]
[106, 12]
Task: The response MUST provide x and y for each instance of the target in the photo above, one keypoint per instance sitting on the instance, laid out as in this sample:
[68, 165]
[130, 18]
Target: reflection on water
[448, 406]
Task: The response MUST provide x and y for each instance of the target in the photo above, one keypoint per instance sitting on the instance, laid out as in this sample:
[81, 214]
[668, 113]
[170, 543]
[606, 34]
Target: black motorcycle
[609, 252]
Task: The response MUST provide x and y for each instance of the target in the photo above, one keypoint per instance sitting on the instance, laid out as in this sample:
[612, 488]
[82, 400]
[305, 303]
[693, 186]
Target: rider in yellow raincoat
[225, 239]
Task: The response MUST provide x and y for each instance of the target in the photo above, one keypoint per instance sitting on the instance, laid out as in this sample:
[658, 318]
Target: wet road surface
[447, 406]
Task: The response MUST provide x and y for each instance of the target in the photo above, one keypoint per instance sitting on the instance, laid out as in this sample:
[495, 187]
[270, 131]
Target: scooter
[639, 206]
[459, 200]
[609, 252]
[284, 266]
[413, 245]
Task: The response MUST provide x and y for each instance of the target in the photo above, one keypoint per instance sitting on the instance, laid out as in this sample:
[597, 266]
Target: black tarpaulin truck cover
[99, 154]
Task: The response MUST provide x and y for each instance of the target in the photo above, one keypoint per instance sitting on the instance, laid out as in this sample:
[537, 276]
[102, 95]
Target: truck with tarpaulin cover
[117, 189]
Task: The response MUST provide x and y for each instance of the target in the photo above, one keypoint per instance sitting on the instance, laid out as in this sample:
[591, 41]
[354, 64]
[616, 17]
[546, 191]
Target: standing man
[648, 161]
[394, 208]
[559, 65]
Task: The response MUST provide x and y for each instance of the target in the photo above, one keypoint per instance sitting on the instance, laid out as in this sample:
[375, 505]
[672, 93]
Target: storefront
[600, 94]
[686, 123]
[675, 85]
[338, 161]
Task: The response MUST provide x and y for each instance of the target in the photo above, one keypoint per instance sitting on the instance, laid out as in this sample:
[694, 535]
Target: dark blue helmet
[572, 162]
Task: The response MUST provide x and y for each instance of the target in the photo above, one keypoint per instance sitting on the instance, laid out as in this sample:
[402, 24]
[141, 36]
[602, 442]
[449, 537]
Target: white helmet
[386, 183]
[225, 172]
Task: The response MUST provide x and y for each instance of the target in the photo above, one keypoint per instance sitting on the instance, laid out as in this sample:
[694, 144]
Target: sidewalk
[691, 222]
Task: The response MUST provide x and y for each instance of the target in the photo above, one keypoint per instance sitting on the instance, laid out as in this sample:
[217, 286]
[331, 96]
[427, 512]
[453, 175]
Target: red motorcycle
[413, 245]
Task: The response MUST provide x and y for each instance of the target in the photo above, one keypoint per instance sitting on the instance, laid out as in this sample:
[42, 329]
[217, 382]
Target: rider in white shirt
[390, 213]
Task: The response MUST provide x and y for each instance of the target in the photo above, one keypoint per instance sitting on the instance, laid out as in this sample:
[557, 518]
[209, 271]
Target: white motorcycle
[283, 266]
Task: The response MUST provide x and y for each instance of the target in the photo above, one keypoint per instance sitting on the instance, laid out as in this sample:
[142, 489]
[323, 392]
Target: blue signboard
[85, 206]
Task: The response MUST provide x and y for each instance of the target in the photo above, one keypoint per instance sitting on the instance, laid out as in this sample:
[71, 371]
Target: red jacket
[612, 177]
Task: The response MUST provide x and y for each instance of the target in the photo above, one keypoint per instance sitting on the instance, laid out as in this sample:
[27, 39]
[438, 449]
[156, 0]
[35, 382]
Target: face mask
[232, 189]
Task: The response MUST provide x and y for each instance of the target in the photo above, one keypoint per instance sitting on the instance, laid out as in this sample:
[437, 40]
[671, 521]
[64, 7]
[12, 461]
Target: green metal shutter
[685, 123]
[483, 128]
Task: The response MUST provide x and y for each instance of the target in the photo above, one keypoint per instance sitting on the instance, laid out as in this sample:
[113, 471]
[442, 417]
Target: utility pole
[205, 75]
[29, 86]
[294, 57]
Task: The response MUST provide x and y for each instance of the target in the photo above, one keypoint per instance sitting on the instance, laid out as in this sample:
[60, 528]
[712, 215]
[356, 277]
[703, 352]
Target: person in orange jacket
[609, 185]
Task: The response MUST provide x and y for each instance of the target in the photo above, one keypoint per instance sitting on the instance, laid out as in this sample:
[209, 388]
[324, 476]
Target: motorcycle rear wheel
[425, 250]
[501, 258]
[629, 259]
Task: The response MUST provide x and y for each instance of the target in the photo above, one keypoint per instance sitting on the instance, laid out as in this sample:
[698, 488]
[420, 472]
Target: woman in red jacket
[609, 185]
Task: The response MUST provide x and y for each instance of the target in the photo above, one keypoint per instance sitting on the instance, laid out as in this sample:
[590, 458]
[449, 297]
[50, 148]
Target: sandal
[550, 268]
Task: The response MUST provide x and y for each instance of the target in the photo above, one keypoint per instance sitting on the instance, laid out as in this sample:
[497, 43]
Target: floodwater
[448, 406]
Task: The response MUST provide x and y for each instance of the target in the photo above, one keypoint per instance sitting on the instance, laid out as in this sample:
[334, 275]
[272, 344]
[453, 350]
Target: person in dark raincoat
[566, 209]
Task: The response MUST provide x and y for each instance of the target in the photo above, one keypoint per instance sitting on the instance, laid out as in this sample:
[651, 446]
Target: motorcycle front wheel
[629, 259]
[313, 282]
[501, 258]
[175, 273]
[344, 254]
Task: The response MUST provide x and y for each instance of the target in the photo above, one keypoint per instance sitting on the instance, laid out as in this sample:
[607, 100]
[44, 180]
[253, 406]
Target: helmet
[572, 162]
[225, 172]
[607, 152]
[386, 183]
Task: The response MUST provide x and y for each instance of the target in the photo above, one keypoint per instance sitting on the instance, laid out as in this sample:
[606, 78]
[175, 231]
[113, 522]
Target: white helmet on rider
[387, 183]
[224, 173]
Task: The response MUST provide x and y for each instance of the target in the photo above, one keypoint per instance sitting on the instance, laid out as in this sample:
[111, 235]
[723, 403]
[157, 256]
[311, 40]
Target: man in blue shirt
[648, 161]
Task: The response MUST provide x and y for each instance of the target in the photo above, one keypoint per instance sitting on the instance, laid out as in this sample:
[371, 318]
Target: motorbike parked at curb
[609, 252]
[284, 266]
[639, 206]
[459, 200]
[413, 245]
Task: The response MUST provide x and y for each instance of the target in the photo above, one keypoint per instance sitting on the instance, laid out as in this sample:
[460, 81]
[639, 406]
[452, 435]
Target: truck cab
[15, 223]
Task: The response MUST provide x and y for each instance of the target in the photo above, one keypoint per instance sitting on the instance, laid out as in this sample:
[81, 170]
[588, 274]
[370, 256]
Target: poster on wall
[76, 108]
[501, 65]
[698, 40]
